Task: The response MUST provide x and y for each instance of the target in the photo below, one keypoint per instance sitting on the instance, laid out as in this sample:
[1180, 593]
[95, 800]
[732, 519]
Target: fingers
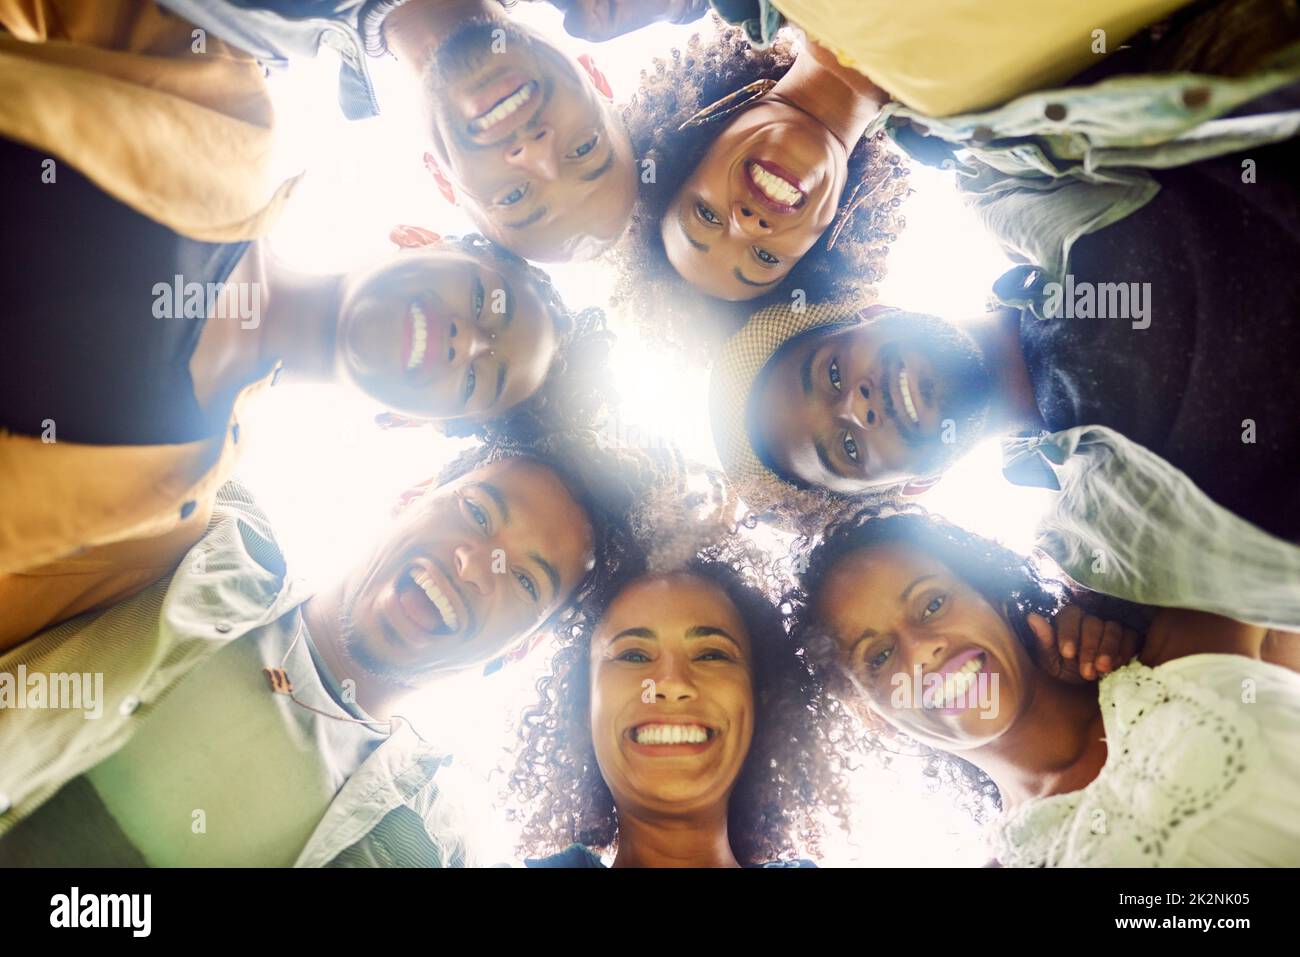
[1068, 622]
[1090, 636]
[1112, 637]
[1046, 640]
[1129, 645]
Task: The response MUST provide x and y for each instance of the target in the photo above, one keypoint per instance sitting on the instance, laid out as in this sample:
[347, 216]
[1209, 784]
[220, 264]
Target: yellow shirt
[944, 57]
[174, 125]
[178, 126]
[85, 526]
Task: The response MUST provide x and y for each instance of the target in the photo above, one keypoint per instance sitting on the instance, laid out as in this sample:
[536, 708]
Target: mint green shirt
[277, 785]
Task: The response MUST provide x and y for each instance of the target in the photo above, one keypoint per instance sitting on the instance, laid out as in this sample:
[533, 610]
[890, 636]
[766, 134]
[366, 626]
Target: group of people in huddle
[1127, 696]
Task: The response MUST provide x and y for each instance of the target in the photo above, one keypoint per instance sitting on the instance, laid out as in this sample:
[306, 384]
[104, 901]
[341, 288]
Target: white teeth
[503, 110]
[958, 685]
[774, 187]
[440, 601]
[904, 389]
[419, 336]
[671, 734]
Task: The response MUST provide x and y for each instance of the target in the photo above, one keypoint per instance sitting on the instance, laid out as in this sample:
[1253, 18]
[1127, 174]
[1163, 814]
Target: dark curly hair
[668, 95]
[1007, 581]
[795, 767]
[577, 392]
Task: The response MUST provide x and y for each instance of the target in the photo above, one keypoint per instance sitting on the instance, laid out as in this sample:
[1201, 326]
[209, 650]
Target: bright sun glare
[328, 477]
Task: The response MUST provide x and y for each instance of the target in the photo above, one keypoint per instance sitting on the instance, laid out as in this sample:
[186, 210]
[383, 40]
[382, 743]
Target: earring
[730, 103]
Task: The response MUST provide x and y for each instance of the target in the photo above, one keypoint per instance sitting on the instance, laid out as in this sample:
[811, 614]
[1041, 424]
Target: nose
[860, 403]
[473, 567]
[537, 154]
[673, 681]
[747, 221]
[923, 649]
[468, 341]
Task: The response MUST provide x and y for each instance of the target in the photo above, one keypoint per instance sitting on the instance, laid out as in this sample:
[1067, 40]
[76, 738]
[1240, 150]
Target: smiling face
[470, 568]
[542, 164]
[444, 334]
[896, 614]
[766, 190]
[851, 407]
[672, 702]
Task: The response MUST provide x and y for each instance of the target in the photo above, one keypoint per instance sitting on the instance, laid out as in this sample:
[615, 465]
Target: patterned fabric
[1202, 770]
[1126, 523]
[743, 357]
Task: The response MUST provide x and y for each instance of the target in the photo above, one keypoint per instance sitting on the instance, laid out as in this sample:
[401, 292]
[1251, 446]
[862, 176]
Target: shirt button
[130, 704]
[188, 509]
[223, 626]
[1195, 97]
[981, 134]
[1055, 112]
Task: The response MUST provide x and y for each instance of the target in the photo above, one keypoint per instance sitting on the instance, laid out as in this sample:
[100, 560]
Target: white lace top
[1202, 770]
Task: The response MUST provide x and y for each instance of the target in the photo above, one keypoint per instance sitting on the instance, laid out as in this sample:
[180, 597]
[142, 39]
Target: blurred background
[328, 477]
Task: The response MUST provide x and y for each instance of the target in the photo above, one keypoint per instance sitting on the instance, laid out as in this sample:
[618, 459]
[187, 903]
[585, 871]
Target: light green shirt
[277, 784]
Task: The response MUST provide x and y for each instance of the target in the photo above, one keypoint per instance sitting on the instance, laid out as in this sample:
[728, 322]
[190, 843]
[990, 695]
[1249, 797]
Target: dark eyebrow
[495, 494]
[805, 372]
[681, 223]
[604, 168]
[533, 217]
[735, 271]
[825, 459]
[908, 590]
[710, 631]
[551, 573]
[636, 633]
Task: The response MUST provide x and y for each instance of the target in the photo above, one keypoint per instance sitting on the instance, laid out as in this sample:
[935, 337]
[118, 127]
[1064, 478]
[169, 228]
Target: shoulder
[575, 855]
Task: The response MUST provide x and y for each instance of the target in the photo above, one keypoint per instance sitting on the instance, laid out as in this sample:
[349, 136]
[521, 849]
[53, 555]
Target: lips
[667, 738]
[427, 601]
[423, 335]
[960, 675]
[502, 102]
[774, 186]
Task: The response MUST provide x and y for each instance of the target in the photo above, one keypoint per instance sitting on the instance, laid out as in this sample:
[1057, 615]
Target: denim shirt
[1126, 523]
[1052, 166]
[276, 31]
[232, 582]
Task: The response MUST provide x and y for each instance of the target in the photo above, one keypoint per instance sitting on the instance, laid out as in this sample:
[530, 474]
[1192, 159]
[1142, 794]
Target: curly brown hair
[795, 767]
[1007, 580]
[671, 93]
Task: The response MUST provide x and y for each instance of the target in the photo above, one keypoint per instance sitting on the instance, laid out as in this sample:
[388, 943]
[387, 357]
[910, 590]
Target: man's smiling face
[470, 568]
[865, 404]
[541, 162]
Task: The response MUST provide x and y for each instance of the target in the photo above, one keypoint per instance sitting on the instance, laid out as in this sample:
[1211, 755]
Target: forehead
[541, 508]
[582, 217]
[869, 581]
[670, 605]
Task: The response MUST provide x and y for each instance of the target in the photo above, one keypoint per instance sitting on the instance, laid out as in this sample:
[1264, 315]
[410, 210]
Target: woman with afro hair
[679, 725]
[757, 187]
